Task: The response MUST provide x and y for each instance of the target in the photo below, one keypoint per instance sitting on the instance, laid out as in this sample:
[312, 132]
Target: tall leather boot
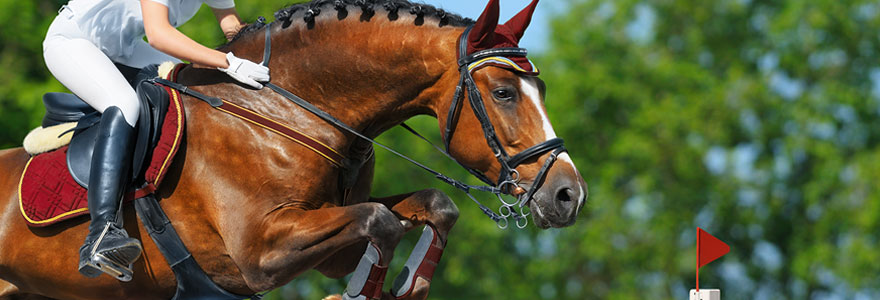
[108, 248]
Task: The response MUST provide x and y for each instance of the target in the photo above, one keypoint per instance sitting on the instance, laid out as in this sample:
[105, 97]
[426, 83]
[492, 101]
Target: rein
[508, 180]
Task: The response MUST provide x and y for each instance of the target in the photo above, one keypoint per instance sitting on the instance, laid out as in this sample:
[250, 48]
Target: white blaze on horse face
[530, 89]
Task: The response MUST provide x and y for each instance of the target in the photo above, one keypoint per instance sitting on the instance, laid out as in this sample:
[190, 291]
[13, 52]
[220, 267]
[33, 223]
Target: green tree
[22, 72]
[752, 119]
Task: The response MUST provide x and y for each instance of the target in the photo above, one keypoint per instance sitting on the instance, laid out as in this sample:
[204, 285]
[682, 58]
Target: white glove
[246, 71]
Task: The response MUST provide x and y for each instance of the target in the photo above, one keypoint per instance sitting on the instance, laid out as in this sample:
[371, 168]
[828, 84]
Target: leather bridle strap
[508, 164]
[551, 144]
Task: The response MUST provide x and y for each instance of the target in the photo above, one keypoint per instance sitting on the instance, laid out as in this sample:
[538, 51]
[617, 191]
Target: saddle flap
[79, 154]
[154, 104]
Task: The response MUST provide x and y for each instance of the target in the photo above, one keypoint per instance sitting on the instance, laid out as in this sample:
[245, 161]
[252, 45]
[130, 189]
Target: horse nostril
[565, 195]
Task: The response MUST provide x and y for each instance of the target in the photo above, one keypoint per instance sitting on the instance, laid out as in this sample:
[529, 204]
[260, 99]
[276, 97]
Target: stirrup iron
[110, 261]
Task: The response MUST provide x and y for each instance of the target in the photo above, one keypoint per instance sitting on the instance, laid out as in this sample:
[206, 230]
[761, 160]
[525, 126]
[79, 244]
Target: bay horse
[256, 210]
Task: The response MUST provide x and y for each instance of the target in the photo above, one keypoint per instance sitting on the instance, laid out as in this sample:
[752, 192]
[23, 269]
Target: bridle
[508, 180]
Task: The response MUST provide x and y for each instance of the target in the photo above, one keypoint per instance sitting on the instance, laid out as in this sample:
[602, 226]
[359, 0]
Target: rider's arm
[168, 39]
[229, 21]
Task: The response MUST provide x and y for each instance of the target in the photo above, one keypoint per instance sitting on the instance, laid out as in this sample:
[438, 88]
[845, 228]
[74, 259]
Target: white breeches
[87, 72]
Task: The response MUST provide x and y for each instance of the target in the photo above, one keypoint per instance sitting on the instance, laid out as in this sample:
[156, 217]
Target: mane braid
[394, 8]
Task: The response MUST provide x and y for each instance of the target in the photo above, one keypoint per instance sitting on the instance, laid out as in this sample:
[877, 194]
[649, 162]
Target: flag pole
[698, 259]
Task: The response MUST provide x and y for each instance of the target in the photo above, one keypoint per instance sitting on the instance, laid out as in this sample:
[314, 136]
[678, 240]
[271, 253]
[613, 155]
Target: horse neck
[370, 75]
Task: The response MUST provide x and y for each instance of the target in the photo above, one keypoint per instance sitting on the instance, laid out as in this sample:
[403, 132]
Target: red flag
[709, 248]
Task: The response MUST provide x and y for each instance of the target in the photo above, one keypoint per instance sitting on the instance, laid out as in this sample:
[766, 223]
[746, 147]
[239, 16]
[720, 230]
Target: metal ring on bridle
[502, 225]
[525, 222]
[512, 183]
[506, 211]
[516, 178]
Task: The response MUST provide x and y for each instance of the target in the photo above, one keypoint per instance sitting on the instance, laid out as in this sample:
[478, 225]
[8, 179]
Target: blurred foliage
[754, 120]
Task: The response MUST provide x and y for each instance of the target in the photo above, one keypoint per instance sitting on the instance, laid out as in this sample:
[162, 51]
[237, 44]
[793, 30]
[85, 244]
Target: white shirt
[114, 25]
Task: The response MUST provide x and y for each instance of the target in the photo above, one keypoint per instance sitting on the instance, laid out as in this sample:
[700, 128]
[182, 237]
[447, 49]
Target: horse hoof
[406, 223]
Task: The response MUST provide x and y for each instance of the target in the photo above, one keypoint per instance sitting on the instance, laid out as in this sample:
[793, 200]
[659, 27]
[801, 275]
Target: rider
[81, 47]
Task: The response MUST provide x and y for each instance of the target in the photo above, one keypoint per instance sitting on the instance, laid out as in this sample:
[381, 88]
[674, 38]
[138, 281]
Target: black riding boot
[108, 248]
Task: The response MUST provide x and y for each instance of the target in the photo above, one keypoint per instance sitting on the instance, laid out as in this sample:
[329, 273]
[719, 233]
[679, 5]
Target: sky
[536, 35]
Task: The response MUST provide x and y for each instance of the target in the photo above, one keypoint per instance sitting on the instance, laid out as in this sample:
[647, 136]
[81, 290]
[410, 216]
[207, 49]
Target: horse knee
[382, 227]
[443, 209]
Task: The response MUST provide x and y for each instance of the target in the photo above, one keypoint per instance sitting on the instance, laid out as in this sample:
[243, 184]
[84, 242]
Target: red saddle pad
[48, 194]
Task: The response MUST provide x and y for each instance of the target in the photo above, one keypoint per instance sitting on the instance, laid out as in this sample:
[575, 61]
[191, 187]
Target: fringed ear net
[517, 25]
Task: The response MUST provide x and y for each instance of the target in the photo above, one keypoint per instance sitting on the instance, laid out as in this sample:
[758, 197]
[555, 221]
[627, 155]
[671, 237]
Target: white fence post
[706, 294]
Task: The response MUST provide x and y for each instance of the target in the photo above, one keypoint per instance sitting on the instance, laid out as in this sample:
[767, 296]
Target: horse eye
[503, 94]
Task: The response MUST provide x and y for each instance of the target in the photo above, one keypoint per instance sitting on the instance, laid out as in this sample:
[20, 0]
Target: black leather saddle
[65, 108]
[192, 282]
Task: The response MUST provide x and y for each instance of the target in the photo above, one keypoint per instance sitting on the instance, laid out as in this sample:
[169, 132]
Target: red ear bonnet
[487, 34]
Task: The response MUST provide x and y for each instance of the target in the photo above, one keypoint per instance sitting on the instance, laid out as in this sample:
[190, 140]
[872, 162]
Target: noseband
[508, 179]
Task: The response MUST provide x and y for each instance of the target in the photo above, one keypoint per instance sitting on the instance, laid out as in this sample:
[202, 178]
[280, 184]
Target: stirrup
[110, 261]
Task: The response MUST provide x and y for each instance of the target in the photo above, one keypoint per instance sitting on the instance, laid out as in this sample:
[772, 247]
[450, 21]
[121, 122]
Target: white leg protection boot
[368, 278]
[421, 263]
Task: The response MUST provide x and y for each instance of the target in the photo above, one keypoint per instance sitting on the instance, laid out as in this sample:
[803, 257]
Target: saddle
[53, 185]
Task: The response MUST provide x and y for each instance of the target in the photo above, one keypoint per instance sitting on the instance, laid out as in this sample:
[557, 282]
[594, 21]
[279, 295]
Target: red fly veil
[487, 34]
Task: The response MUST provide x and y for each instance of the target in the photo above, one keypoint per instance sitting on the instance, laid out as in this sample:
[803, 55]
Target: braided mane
[306, 12]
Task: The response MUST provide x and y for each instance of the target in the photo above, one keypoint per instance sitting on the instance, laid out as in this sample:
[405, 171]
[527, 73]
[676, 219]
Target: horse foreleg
[295, 240]
[423, 207]
[434, 209]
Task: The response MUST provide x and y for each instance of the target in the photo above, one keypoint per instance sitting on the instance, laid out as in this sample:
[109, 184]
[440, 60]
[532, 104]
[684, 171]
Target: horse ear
[483, 32]
[520, 21]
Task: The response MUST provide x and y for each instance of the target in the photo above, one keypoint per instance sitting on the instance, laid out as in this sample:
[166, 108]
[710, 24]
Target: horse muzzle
[560, 199]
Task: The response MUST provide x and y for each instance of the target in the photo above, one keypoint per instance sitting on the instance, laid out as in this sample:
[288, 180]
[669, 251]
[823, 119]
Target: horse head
[507, 113]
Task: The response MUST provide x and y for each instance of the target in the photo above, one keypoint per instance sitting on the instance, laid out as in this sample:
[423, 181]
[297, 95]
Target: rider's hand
[246, 71]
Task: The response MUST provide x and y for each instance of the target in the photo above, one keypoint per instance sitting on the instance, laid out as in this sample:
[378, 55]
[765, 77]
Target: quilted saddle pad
[48, 193]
